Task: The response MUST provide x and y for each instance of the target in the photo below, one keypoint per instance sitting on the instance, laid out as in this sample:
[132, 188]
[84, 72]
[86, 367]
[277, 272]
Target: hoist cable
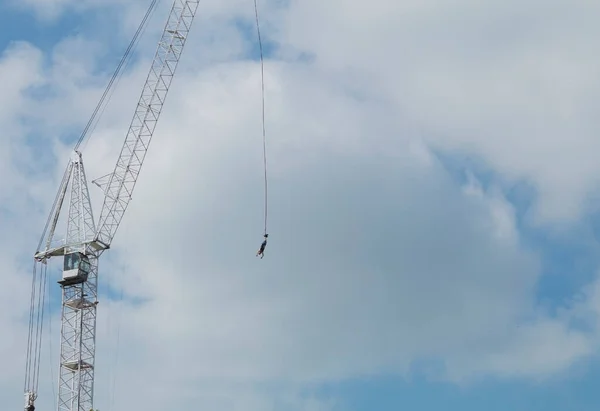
[30, 334]
[116, 73]
[36, 324]
[40, 325]
[264, 134]
[50, 363]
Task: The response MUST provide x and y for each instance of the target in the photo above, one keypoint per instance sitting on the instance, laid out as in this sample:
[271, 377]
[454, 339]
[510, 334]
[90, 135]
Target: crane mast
[85, 242]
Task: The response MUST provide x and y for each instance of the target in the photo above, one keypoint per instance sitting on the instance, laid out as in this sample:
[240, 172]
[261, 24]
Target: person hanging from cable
[261, 251]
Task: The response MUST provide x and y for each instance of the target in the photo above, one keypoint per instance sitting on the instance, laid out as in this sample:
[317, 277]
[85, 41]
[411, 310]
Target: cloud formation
[378, 259]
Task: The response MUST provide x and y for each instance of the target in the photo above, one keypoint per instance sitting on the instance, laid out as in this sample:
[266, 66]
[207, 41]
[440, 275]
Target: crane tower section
[79, 291]
[79, 299]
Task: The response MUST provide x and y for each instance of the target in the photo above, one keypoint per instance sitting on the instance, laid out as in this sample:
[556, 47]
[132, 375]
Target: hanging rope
[262, 78]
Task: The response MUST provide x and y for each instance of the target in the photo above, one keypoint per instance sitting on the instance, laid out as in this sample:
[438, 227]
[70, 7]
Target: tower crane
[86, 241]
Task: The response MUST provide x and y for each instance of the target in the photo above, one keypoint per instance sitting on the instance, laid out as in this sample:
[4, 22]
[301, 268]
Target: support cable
[262, 77]
[64, 181]
[117, 72]
[36, 324]
[50, 363]
[41, 303]
[31, 326]
[133, 46]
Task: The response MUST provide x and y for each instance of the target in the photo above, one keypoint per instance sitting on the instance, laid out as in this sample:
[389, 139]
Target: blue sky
[434, 243]
[23, 26]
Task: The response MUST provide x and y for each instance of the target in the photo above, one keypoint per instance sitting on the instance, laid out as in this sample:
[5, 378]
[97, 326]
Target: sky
[433, 204]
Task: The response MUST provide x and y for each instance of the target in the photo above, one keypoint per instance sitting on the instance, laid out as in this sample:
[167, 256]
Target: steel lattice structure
[120, 184]
[84, 242]
[78, 325]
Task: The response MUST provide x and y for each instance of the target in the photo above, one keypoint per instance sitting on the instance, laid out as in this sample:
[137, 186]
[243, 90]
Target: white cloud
[376, 259]
[494, 80]
[49, 11]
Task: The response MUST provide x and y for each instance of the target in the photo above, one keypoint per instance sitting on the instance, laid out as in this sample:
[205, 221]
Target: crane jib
[120, 186]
